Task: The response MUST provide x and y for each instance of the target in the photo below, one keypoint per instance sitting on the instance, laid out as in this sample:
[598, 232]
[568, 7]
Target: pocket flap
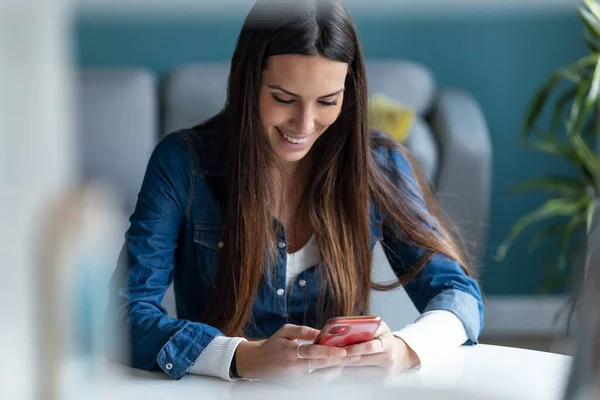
[208, 235]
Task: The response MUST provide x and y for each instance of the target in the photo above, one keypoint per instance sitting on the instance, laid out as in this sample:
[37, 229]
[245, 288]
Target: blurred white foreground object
[81, 238]
[36, 164]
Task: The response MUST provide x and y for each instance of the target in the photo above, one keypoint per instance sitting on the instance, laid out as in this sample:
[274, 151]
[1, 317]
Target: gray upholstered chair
[449, 139]
[117, 127]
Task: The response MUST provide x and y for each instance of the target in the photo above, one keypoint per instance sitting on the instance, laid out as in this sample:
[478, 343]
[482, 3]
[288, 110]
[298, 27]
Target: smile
[293, 139]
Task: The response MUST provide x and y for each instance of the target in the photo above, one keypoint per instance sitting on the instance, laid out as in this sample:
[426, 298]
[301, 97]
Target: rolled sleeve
[179, 354]
[464, 306]
[146, 265]
[442, 283]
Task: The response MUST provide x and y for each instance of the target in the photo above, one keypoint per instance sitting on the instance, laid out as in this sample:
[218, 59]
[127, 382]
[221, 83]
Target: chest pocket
[208, 242]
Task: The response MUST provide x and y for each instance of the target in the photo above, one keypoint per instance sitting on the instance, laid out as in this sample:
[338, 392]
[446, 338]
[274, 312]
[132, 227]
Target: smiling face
[300, 97]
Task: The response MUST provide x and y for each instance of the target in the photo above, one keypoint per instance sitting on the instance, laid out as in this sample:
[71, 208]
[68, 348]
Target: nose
[306, 122]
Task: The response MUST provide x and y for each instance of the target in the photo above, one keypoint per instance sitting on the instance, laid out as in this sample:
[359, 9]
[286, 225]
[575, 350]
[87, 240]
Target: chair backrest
[192, 94]
[117, 127]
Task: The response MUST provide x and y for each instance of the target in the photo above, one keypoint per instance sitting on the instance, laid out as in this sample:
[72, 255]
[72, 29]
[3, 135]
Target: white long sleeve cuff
[215, 359]
[432, 334]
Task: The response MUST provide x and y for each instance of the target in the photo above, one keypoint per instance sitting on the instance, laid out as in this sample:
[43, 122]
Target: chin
[291, 158]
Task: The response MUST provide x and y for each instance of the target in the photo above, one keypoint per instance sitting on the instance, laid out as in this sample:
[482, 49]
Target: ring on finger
[298, 350]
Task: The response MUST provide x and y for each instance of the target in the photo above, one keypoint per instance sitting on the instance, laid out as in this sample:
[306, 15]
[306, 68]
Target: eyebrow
[277, 87]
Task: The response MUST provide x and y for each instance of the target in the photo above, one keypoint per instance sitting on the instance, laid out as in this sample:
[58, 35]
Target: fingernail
[341, 353]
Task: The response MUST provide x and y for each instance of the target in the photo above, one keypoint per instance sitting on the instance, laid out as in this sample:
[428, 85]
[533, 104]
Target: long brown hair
[339, 188]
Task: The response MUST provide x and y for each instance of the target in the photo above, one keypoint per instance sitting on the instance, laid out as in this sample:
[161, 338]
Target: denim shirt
[175, 236]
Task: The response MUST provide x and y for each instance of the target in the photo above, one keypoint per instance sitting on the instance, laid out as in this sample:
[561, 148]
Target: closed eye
[329, 103]
[282, 101]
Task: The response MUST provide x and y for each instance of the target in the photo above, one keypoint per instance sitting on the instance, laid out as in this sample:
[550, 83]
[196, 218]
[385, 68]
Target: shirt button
[169, 366]
[220, 245]
[302, 283]
[281, 245]
[280, 292]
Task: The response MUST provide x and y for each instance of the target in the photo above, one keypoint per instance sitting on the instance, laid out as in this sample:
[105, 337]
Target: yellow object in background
[390, 117]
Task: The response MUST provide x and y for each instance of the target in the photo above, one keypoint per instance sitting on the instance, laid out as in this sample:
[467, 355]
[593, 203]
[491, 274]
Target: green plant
[571, 95]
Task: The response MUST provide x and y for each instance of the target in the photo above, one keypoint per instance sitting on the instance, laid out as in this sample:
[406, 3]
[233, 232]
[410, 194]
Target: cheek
[264, 112]
[329, 116]
[271, 113]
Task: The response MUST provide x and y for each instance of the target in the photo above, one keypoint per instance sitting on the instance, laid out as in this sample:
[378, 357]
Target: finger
[316, 351]
[383, 329]
[321, 363]
[294, 332]
[374, 346]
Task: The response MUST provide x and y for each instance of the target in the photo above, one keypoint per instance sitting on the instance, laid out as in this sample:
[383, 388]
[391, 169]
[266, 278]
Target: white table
[478, 372]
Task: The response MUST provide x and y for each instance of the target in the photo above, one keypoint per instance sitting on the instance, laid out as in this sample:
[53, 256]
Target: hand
[278, 355]
[384, 356]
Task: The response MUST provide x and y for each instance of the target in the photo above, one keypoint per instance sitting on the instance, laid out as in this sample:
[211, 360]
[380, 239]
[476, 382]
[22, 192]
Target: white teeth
[294, 140]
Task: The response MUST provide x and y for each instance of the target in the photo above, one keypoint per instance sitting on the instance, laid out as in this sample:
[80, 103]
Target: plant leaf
[553, 147]
[594, 8]
[537, 104]
[591, 23]
[590, 129]
[575, 71]
[588, 158]
[567, 187]
[559, 108]
[572, 72]
[592, 96]
[579, 109]
[574, 223]
[552, 279]
[551, 209]
[589, 218]
[592, 231]
[590, 42]
[545, 233]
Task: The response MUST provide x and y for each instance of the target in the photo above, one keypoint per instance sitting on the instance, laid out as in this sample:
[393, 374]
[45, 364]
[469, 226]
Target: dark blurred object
[584, 380]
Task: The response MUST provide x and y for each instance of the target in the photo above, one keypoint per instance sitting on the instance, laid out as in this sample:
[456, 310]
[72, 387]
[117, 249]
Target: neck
[290, 179]
[292, 176]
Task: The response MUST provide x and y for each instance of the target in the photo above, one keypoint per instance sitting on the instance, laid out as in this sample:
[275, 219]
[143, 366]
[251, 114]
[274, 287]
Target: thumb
[383, 328]
[294, 332]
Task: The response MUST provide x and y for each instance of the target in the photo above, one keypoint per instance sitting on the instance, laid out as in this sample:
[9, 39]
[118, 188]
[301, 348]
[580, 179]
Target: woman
[266, 215]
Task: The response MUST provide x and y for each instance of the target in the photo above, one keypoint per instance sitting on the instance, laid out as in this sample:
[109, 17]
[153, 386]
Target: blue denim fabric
[174, 236]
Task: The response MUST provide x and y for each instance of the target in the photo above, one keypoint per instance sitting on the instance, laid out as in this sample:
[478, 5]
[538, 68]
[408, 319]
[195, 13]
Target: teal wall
[499, 57]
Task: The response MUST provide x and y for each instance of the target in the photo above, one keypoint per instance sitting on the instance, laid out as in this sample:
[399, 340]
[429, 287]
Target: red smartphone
[345, 331]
